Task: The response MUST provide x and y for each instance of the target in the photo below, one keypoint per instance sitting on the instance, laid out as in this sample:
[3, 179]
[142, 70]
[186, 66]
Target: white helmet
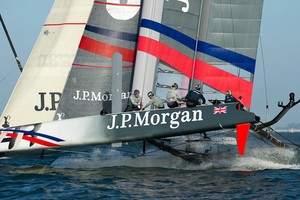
[150, 94]
[198, 87]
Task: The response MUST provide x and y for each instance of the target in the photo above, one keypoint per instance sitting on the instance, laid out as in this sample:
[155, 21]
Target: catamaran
[91, 54]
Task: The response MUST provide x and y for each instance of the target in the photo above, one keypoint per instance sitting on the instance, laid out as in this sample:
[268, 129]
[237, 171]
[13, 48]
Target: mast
[11, 44]
[145, 75]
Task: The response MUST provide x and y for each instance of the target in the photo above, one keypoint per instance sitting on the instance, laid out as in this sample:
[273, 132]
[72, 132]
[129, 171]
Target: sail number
[123, 11]
[187, 5]
[127, 11]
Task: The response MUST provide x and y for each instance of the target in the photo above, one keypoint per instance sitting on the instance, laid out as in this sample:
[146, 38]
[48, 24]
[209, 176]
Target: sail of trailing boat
[112, 27]
[37, 94]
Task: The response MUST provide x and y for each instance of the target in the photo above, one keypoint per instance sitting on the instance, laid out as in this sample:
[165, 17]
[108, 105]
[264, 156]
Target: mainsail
[211, 41]
[37, 93]
[112, 27]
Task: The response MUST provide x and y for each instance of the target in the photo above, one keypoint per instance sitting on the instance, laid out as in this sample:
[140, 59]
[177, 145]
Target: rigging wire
[11, 44]
[238, 71]
[265, 78]
[222, 29]
[8, 73]
[235, 46]
[196, 48]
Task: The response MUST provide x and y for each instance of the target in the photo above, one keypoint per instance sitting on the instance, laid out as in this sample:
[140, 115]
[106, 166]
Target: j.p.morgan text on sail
[96, 96]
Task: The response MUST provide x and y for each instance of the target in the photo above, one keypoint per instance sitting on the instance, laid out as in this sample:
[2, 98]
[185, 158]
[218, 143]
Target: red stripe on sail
[94, 66]
[104, 49]
[210, 75]
[62, 24]
[34, 140]
[116, 4]
[223, 81]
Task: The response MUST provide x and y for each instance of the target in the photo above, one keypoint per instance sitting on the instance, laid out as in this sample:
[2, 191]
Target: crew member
[229, 97]
[134, 102]
[195, 97]
[155, 101]
[173, 97]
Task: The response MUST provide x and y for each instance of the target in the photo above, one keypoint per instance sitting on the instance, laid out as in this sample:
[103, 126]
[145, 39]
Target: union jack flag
[220, 110]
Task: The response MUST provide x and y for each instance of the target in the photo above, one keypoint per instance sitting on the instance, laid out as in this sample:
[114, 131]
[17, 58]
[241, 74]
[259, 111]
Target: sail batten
[65, 24]
[130, 4]
[112, 33]
[94, 66]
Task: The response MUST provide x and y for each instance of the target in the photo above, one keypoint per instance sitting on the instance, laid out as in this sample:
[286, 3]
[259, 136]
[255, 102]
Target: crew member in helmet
[134, 102]
[229, 97]
[195, 97]
[155, 101]
[173, 96]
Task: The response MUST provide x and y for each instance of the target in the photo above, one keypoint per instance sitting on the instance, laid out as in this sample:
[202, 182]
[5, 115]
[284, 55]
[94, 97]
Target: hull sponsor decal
[32, 136]
[141, 119]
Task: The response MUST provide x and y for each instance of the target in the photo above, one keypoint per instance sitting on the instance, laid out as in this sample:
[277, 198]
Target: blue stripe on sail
[239, 60]
[176, 35]
[112, 33]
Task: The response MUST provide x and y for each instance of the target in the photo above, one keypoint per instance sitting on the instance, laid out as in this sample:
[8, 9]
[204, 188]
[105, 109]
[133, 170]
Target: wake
[254, 160]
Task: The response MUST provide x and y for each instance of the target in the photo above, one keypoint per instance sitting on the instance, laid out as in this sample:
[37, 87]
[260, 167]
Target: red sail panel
[210, 75]
[105, 49]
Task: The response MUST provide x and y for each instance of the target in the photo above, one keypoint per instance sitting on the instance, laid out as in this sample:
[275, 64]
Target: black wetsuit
[230, 98]
[193, 97]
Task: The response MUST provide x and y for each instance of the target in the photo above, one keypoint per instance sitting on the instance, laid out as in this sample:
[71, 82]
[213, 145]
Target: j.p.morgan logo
[48, 101]
[82, 95]
[138, 119]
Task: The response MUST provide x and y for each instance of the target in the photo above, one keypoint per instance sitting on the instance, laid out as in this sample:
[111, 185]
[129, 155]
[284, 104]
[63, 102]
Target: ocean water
[93, 173]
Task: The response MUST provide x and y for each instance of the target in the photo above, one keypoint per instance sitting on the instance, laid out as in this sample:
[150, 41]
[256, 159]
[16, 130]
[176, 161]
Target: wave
[254, 160]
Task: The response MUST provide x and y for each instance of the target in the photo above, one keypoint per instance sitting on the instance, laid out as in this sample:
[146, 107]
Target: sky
[277, 67]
